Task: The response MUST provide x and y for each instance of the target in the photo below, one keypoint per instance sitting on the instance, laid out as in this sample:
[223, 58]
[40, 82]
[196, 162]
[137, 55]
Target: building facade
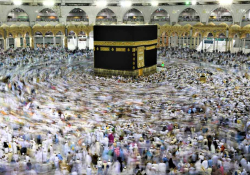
[71, 25]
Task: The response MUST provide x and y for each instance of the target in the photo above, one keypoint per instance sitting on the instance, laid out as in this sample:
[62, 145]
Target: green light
[187, 2]
[162, 65]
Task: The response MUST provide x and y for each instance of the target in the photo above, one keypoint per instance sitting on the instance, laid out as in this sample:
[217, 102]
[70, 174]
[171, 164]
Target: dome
[81, 25]
[211, 24]
[22, 25]
[13, 25]
[4, 26]
[166, 25]
[37, 25]
[48, 26]
[187, 25]
[223, 24]
[235, 26]
[247, 26]
[59, 25]
[199, 24]
[70, 25]
[177, 25]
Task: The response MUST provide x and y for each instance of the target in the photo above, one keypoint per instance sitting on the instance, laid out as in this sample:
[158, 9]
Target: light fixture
[194, 2]
[154, 3]
[17, 2]
[126, 3]
[101, 3]
[49, 3]
[225, 2]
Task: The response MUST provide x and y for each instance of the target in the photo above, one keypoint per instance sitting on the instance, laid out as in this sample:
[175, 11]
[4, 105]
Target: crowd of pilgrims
[57, 117]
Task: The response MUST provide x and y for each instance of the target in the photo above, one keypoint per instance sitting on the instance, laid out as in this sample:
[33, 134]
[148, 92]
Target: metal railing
[160, 20]
[78, 19]
[17, 20]
[221, 19]
[106, 20]
[245, 20]
[47, 19]
[133, 20]
[182, 19]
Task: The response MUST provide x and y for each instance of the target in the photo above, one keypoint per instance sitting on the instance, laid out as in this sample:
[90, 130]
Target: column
[54, 40]
[190, 42]
[5, 44]
[169, 42]
[43, 42]
[65, 42]
[31, 43]
[24, 42]
[198, 41]
[214, 45]
[162, 40]
[232, 45]
[178, 41]
[240, 44]
[227, 39]
[87, 42]
[62, 41]
[187, 42]
[244, 45]
[217, 48]
[229, 44]
[14, 43]
[194, 46]
[226, 44]
[183, 42]
[191, 39]
[158, 42]
[76, 42]
[202, 43]
[166, 41]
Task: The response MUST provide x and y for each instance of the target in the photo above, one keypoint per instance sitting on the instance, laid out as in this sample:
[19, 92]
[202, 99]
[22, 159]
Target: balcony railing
[106, 20]
[17, 20]
[46, 19]
[246, 19]
[160, 20]
[133, 20]
[221, 19]
[78, 19]
[184, 19]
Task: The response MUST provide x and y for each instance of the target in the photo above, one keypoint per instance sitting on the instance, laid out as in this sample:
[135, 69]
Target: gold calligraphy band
[126, 43]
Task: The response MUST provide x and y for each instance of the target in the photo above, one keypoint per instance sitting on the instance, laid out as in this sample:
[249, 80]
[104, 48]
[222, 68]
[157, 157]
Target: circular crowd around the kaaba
[58, 117]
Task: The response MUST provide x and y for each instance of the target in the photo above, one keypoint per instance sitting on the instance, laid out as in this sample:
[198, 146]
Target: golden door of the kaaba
[140, 57]
[140, 72]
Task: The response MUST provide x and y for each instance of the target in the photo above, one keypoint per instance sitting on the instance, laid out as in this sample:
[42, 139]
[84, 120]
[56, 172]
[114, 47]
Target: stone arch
[81, 33]
[130, 15]
[163, 14]
[186, 16]
[71, 33]
[38, 33]
[50, 33]
[17, 14]
[244, 18]
[224, 10]
[80, 15]
[210, 35]
[59, 33]
[111, 16]
[43, 15]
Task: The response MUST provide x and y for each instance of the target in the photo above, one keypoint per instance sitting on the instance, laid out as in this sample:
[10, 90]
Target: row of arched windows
[107, 15]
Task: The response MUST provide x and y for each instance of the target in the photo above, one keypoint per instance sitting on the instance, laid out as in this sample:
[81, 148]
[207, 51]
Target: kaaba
[126, 50]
